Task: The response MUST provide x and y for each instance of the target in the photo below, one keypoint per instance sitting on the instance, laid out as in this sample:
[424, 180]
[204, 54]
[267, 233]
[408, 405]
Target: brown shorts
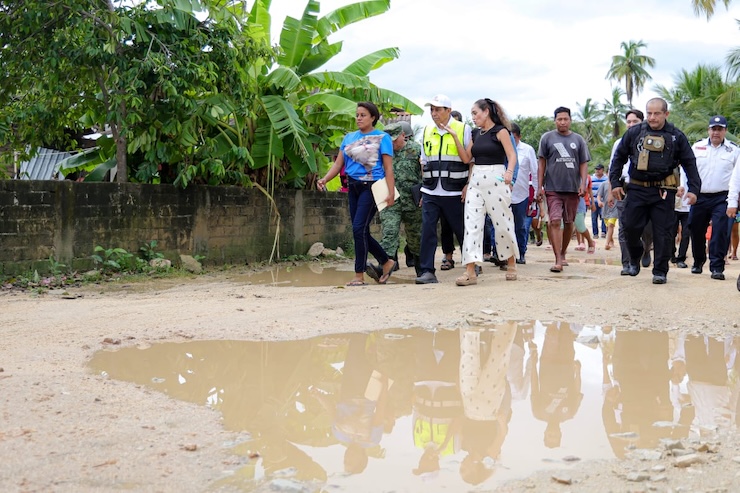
[561, 205]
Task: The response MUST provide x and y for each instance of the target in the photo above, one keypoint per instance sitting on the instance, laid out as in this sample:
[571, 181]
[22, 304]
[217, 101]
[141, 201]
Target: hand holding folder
[380, 193]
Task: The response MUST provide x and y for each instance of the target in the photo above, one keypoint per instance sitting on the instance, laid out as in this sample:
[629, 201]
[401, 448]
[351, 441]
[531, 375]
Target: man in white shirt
[732, 200]
[715, 161]
[520, 191]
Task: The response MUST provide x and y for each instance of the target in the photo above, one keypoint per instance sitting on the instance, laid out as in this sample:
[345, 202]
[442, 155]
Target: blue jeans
[362, 209]
[595, 216]
[521, 225]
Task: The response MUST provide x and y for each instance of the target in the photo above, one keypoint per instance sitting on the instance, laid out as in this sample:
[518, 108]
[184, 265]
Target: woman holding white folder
[367, 156]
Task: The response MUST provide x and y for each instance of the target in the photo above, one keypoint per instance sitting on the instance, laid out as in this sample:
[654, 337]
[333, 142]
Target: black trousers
[710, 207]
[432, 208]
[643, 204]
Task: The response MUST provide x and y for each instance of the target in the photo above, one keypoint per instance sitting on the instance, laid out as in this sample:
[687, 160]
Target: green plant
[55, 268]
[148, 251]
[115, 260]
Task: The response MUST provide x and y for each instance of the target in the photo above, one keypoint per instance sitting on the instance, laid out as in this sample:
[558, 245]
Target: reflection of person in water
[437, 404]
[708, 362]
[519, 374]
[363, 412]
[556, 386]
[638, 395]
[484, 360]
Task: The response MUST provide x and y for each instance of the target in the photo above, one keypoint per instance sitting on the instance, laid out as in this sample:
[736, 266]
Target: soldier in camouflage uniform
[407, 170]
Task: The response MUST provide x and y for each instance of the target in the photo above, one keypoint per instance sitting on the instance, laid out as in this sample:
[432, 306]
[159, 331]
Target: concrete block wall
[228, 225]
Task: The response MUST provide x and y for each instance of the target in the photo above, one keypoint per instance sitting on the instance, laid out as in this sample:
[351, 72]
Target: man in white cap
[446, 166]
[715, 160]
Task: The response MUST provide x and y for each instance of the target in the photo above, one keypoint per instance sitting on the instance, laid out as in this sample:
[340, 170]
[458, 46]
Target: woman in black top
[489, 190]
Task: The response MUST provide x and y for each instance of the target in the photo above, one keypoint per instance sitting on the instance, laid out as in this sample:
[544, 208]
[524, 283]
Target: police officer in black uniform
[655, 149]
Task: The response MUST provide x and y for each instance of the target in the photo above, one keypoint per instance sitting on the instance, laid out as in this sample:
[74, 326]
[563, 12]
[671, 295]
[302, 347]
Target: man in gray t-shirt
[563, 177]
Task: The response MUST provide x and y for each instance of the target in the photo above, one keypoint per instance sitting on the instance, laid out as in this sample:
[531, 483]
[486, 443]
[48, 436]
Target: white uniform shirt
[715, 164]
[732, 196]
[527, 164]
[439, 191]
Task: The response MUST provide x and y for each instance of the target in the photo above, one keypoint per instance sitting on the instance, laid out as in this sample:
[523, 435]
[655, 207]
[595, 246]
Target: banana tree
[304, 111]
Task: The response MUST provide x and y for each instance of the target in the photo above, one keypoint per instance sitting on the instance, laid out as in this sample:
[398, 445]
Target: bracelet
[509, 171]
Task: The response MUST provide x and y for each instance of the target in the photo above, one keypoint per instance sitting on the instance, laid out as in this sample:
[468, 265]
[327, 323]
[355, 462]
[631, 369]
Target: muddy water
[414, 410]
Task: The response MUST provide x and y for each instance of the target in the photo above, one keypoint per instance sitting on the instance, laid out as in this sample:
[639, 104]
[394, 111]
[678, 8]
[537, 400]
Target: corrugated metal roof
[43, 166]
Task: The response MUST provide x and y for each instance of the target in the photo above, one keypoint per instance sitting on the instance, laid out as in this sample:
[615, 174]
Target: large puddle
[415, 410]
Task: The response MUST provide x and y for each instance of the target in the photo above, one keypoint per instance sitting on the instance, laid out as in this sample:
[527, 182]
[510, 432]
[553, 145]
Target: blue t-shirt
[363, 154]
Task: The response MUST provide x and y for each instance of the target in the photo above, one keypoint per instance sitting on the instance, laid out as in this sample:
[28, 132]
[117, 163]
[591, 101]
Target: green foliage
[189, 99]
[148, 251]
[116, 260]
[630, 67]
[533, 127]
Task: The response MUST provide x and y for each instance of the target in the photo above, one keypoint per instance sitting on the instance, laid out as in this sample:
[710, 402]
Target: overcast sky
[531, 56]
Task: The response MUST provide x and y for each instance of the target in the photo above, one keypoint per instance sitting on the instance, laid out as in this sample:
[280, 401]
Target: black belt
[713, 194]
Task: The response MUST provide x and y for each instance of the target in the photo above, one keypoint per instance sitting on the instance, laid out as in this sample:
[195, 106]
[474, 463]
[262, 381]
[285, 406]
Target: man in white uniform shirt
[715, 161]
[520, 191]
[732, 200]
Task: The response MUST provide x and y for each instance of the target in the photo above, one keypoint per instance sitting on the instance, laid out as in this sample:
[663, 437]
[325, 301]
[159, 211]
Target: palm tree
[630, 68]
[706, 6]
[614, 109]
[590, 121]
[695, 95]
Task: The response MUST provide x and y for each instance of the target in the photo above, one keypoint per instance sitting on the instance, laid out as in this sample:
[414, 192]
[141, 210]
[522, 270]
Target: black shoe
[478, 270]
[720, 276]
[634, 269]
[625, 270]
[410, 257]
[375, 272]
[659, 279]
[646, 259]
[427, 278]
[681, 264]
[738, 283]
[521, 260]
[696, 269]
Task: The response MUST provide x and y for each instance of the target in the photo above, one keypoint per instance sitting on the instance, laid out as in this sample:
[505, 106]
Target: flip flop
[384, 278]
[373, 271]
[466, 280]
[591, 249]
[556, 268]
[581, 247]
[355, 282]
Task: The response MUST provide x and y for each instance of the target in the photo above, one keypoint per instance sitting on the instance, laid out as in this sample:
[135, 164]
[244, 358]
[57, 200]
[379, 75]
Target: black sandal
[447, 264]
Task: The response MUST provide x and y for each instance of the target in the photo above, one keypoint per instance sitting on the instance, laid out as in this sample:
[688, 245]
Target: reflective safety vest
[443, 161]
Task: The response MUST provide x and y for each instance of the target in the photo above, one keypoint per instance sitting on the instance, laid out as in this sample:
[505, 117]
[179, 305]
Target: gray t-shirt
[563, 155]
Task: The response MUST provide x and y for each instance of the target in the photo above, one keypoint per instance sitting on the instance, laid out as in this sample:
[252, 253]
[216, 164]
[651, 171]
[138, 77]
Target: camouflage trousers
[404, 210]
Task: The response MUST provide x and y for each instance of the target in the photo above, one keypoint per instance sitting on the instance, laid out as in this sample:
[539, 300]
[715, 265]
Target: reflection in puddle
[414, 410]
[314, 274]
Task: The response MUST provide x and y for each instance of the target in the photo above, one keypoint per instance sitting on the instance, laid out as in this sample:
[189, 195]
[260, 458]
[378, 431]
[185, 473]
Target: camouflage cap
[407, 130]
[393, 129]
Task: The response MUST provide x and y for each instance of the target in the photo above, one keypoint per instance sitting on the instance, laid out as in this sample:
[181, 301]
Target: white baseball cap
[440, 100]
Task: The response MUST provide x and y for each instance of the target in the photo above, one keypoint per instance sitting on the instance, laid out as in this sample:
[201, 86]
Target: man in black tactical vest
[655, 149]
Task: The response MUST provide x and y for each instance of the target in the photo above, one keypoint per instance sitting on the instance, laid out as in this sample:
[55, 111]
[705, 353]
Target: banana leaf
[296, 36]
[349, 14]
[372, 61]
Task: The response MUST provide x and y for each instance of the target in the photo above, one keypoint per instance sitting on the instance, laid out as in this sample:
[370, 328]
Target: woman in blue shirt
[367, 156]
